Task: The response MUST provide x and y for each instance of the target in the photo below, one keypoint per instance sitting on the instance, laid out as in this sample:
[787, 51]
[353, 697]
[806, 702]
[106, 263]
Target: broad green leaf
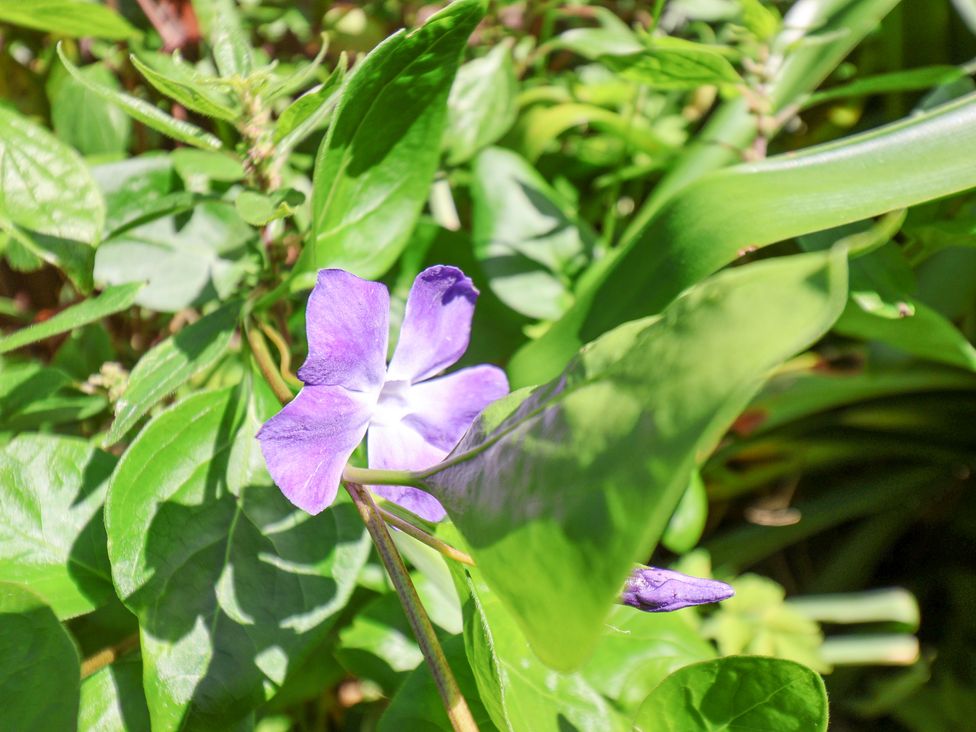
[673, 63]
[51, 535]
[481, 106]
[171, 363]
[613, 36]
[83, 119]
[638, 650]
[233, 586]
[559, 490]
[39, 683]
[112, 699]
[896, 81]
[375, 166]
[528, 241]
[184, 261]
[729, 212]
[417, 704]
[181, 83]
[231, 49]
[46, 190]
[32, 396]
[144, 112]
[517, 689]
[113, 300]
[76, 18]
[191, 164]
[742, 692]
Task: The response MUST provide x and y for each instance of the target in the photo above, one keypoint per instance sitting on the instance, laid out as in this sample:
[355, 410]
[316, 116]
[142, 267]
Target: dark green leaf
[51, 534]
[232, 585]
[145, 112]
[39, 683]
[376, 164]
[896, 81]
[171, 363]
[77, 18]
[604, 451]
[113, 300]
[112, 699]
[741, 692]
[32, 395]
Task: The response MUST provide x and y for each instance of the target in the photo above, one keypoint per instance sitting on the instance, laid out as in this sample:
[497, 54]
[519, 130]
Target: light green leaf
[517, 689]
[742, 692]
[178, 82]
[673, 63]
[481, 106]
[687, 523]
[231, 49]
[528, 241]
[604, 451]
[145, 112]
[41, 670]
[233, 586]
[192, 164]
[46, 189]
[77, 18]
[83, 119]
[112, 699]
[113, 300]
[51, 535]
[375, 166]
[171, 363]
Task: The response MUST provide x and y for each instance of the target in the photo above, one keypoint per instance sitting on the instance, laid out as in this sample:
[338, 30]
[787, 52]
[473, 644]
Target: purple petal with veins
[656, 590]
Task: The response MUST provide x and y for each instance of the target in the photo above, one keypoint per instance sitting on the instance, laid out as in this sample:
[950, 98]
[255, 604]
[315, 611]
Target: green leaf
[558, 490]
[310, 111]
[182, 84]
[687, 523]
[417, 704]
[375, 166]
[32, 395]
[258, 209]
[729, 212]
[113, 300]
[638, 650]
[896, 81]
[612, 37]
[46, 189]
[144, 112]
[171, 363]
[233, 586]
[529, 242]
[41, 670]
[77, 18]
[231, 50]
[481, 106]
[112, 699]
[741, 692]
[83, 119]
[673, 63]
[192, 164]
[517, 689]
[51, 534]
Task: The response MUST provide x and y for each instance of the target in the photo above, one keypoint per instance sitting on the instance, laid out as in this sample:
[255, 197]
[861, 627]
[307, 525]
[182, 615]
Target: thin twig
[422, 536]
[263, 358]
[457, 708]
[109, 655]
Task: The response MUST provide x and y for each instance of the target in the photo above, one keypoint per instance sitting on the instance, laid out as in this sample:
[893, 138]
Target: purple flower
[656, 590]
[412, 420]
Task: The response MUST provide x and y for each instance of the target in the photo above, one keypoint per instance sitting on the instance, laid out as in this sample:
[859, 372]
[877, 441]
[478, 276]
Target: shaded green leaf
[376, 164]
[112, 699]
[83, 119]
[741, 692]
[604, 451]
[39, 683]
[113, 300]
[896, 81]
[76, 18]
[171, 363]
[198, 538]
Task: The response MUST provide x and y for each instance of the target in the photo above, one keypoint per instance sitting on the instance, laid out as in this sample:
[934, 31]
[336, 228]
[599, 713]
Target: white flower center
[393, 403]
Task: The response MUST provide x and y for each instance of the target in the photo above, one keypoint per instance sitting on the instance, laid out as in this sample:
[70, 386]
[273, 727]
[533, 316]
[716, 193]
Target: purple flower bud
[656, 590]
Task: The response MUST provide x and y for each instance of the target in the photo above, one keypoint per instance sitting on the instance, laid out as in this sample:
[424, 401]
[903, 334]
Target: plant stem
[371, 476]
[109, 655]
[268, 369]
[457, 708]
[422, 536]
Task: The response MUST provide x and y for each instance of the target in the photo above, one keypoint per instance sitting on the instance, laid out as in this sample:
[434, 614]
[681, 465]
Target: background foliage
[727, 246]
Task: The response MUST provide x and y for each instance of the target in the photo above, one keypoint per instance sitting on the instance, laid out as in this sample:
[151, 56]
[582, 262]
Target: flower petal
[396, 447]
[441, 410]
[306, 445]
[657, 590]
[347, 320]
[436, 324]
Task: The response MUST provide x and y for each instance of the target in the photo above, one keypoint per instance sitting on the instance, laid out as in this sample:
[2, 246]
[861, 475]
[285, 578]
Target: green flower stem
[422, 536]
[457, 708]
[365, 476]
[266, 364]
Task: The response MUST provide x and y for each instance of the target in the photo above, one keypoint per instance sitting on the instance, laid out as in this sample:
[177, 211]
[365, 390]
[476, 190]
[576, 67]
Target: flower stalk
[457, 708]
